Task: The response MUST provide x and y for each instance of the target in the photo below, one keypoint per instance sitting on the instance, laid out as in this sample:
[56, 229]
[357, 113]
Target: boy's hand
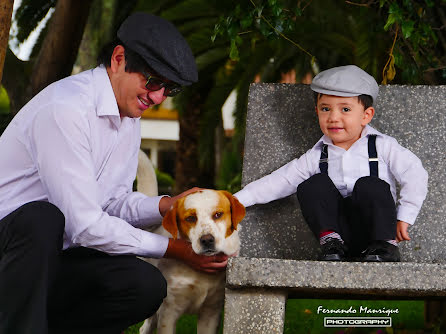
[401, 231]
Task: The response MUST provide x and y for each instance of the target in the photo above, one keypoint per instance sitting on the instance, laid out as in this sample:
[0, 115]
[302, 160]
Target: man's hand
[166, 202]
[401, 231]
[182, 250]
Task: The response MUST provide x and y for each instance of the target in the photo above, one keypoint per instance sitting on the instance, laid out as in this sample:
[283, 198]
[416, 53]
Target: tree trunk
[188, 172]
[59, 49]
[5, 24]
[98, 30]
[56, 56]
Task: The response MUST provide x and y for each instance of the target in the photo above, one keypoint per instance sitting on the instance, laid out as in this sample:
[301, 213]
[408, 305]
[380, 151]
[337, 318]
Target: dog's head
[208, 219]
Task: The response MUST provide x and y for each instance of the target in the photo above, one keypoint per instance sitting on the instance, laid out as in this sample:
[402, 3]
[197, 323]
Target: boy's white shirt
[397, 165]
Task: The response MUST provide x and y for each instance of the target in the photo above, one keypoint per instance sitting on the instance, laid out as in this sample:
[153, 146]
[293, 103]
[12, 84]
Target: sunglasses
[153, 84]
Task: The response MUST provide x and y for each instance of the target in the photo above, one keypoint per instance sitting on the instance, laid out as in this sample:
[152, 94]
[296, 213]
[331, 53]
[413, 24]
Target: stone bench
[278, 257]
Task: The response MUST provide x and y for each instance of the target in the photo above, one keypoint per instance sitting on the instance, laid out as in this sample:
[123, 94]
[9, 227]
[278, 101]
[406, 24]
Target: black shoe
[381, 251]
[333, 250]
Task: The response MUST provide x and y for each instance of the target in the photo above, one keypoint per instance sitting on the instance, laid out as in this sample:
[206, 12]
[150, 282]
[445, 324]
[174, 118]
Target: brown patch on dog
[238, 211]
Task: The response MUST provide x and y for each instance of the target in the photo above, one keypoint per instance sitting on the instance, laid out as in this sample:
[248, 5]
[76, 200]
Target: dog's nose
[207, 241]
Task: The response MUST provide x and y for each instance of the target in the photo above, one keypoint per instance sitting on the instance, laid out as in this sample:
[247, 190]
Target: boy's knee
[370, 187]
[315, 186]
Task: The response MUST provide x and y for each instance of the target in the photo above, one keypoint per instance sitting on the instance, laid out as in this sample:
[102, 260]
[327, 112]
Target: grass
[302, 316]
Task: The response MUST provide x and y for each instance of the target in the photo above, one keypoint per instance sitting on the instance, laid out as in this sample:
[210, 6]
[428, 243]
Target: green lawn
[302, 316]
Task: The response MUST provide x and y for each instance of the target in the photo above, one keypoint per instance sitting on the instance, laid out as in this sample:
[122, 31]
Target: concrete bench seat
[279, 252]
[315, 279]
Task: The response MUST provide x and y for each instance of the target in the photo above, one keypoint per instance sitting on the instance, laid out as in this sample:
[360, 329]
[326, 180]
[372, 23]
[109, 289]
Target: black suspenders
[323, 161]
[373, 157]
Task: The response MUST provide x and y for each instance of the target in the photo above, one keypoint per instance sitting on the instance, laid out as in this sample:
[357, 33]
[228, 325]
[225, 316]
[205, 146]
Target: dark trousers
[369, 214]
[46, 290]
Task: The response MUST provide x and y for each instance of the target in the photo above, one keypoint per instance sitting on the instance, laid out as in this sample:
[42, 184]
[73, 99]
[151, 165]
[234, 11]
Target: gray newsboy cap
[161, 45]
[347, 80]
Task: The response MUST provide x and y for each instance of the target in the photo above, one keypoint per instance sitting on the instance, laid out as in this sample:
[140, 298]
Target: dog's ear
[238, 211]
[170, 221]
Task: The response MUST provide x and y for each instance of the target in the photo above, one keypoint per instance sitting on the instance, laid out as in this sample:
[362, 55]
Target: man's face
[131, 94]
[342, 119]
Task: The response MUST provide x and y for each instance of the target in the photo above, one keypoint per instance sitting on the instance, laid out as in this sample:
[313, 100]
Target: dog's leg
[167, 318]
[208, 320]
[149, 325]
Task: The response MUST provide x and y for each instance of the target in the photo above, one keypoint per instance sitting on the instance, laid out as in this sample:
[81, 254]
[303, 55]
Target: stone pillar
[254, 311]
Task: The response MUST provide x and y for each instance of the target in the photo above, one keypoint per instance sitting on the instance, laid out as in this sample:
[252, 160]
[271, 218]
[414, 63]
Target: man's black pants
[369, 214]
[46, 290]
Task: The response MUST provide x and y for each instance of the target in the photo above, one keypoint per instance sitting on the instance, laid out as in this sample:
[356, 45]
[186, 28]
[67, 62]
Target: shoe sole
[331, 257]
[378, 258]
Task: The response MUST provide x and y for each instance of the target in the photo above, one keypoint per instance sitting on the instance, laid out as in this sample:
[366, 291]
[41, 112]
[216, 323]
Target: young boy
[346, 184]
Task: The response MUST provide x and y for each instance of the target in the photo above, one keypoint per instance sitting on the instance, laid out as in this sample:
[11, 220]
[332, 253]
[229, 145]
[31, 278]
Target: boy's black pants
[80, 290]
[369, 214]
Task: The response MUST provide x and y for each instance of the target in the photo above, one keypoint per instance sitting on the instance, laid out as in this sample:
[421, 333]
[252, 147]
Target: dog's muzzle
[207, 243]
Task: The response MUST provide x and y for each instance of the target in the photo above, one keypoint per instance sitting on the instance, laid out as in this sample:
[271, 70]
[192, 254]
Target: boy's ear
[368, 115]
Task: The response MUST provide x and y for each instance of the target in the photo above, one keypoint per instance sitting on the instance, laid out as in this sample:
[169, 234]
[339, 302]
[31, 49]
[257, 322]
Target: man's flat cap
[347, 80]
[161, 45]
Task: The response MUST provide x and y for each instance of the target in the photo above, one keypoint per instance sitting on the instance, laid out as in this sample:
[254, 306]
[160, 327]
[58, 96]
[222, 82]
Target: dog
[209, 220]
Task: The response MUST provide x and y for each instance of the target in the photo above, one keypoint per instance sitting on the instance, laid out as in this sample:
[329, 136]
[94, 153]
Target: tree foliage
[237, 42]
[414, 31]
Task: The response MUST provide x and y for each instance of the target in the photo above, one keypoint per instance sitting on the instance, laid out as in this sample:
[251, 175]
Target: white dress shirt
[69, 146]
[396, 165]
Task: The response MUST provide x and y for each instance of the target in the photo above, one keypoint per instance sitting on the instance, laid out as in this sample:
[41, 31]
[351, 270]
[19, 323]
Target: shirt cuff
[153, 245]
[149, 212]
[407, 215]
[244, 197]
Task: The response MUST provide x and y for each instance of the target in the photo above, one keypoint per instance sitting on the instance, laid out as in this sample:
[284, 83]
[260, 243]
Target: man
[69, 159]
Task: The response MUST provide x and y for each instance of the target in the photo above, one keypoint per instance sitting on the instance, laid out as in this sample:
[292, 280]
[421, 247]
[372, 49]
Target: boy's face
[342, 119]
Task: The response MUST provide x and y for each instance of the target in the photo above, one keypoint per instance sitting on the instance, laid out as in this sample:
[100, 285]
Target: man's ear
[170, 221]
[238, 211]
[368, 115]
[117, 58]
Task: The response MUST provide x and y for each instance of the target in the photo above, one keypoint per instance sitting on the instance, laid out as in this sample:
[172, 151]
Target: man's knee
[40, 222]
[151, 287]
[142, 284]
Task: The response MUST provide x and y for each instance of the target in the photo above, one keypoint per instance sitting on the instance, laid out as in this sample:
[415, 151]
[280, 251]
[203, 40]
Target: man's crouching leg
[99, 293]
[30, 244]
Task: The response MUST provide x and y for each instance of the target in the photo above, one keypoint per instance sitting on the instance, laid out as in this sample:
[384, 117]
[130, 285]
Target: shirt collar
[106, 104]
[368, 130]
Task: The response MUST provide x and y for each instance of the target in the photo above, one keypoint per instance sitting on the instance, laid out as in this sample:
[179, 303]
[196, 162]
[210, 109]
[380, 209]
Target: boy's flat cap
[161, 45]
[347, 80]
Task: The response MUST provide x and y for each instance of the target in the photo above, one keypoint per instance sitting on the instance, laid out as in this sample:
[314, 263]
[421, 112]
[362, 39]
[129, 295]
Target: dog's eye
[191, 219]
[217, 215]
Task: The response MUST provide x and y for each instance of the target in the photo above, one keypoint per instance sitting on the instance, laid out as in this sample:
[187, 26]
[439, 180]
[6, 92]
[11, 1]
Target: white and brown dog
[208, 219]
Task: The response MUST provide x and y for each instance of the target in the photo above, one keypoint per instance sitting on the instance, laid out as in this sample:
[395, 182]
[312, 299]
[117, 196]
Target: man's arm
[61, 141]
